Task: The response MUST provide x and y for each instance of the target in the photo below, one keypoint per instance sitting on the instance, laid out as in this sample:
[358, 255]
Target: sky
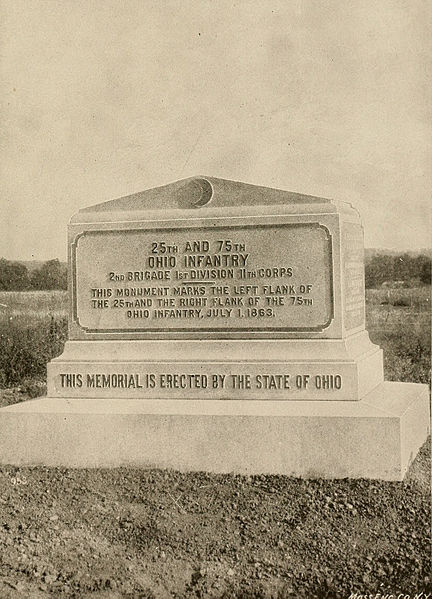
[102, 98]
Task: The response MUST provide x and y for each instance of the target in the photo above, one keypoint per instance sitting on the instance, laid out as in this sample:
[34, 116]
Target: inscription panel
[252, 380]
[276, 278]
[353, 265]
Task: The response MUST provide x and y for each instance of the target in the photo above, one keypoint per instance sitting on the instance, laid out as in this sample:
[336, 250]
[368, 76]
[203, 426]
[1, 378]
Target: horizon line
[376, 248]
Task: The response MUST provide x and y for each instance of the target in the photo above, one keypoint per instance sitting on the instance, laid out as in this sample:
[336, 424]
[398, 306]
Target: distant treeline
[403, 269]
[15, 276]
[406, 269]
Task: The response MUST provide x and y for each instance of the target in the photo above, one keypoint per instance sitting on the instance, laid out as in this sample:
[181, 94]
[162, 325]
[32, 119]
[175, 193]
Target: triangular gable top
[199, 191]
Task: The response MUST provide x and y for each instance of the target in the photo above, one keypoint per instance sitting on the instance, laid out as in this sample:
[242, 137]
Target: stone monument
[219, 326]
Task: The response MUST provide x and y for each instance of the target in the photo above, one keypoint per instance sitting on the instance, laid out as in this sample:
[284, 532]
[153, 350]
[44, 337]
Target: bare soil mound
[135, 533]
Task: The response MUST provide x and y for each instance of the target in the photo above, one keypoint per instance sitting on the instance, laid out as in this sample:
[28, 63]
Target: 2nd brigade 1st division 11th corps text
[221, 280]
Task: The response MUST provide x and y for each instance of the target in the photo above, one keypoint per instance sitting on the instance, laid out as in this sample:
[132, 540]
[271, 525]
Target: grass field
[33, 330]
[399, 320]
[32, 306]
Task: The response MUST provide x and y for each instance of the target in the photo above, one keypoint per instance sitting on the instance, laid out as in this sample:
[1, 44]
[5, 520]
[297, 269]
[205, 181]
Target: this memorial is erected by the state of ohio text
[219, 326]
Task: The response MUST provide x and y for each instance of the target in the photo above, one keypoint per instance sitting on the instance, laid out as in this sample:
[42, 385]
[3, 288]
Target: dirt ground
[114, 533]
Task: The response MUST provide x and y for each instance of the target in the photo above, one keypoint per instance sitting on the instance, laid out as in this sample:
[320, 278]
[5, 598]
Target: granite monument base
[375, 437]
[271, 369]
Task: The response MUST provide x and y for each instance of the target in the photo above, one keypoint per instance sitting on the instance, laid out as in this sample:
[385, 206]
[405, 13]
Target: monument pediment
[200, 191]
[217, 325]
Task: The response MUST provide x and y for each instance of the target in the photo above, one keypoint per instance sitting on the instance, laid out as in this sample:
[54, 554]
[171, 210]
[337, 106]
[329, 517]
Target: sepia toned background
[102, 98]
[105, 98]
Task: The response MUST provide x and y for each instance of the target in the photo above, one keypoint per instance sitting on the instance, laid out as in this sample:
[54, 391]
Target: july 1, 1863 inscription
[216, 325]
[213, 289]
[250, 278]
